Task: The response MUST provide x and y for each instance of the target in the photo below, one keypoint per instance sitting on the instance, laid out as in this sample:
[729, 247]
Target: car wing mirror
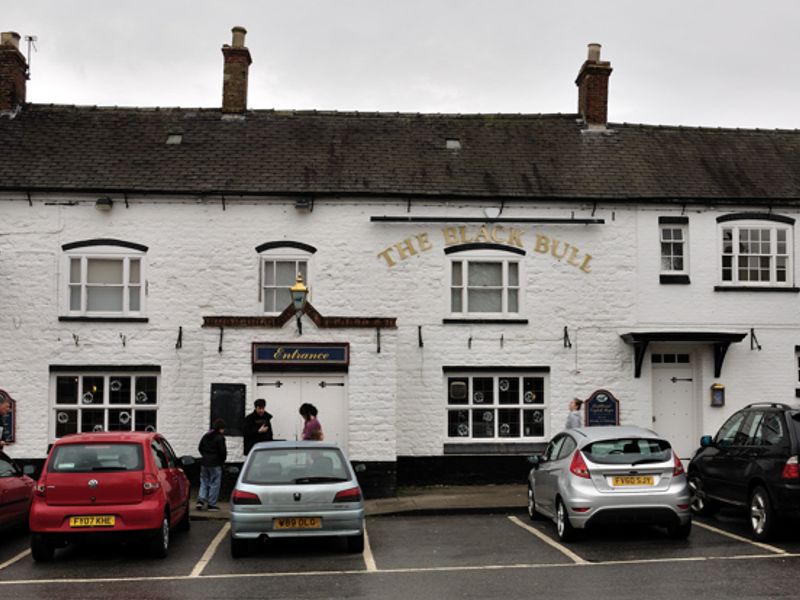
[706, 441]
[28, 470]
[232, 470]
[536, 460]
[186, 461]
[360, 467]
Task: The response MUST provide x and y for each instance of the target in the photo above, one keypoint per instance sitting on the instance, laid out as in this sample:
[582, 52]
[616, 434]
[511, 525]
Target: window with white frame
[756, 253]
[104, 278]
[485, 285]
[673, 249]
[499, 407]
[89, 401]
[279, 265]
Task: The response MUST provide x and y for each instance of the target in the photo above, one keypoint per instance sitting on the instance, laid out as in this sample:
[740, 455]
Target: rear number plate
[298, 523]
[622, 480]
[92, 521]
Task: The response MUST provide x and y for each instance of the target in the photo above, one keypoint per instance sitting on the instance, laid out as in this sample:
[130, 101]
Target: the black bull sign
[602, 409]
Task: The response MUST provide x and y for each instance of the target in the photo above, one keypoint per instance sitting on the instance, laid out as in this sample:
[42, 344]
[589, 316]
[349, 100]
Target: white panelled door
[674, 414]
[285, 394]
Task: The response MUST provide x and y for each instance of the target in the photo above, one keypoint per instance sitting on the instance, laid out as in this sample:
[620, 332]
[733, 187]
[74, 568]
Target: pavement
[456, 499]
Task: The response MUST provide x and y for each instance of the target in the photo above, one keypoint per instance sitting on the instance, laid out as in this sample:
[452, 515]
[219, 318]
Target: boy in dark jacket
[257, 426]
[213, 452]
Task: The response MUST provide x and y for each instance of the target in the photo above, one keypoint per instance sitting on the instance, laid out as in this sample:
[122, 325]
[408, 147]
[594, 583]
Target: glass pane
[483, 390]
[483, 423]
[92, 420]
[455, 273]
[269, 273]
[508, 425]
[66, 422]
[513, 274]
[66, 390]
[533, 390]
[93, 388]
[269, 300]
[666, 234]
[457, 390]
[283, 297]
[727, 241]
[485, 274]
[458, 423]
[508, 390]
[134, 297]
[302, 269]
[145, 420]
[101, 270]
[285, 273]
[119, 390]
[485, 300]
[513, 301]
[120, 420]
[533, 423]
[146, 392]
[74, 297]
[678, 263]
[104, 299]
[455, 300]
[134, 272]
[74, 270]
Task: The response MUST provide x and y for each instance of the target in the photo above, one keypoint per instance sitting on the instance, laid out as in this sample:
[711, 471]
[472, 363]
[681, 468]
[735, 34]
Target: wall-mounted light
[299, 294]
[304, 203]
[105, 203]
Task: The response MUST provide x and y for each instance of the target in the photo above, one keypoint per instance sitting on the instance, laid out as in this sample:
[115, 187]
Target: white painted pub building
[469, 274]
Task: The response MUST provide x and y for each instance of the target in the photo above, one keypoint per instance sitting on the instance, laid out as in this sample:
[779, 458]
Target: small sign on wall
[8, 422]
[602, 409]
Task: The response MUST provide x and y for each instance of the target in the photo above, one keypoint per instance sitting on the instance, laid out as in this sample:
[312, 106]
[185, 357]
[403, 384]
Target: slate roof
[64, 148]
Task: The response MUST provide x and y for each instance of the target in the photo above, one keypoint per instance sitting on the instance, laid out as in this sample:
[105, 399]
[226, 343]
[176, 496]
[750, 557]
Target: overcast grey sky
[728, 63]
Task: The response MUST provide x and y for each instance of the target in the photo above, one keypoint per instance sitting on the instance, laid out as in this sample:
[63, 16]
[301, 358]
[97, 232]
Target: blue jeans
[210, 481]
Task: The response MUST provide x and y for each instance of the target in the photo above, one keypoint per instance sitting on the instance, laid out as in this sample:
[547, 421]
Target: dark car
[16, 492]
[752, 462]
[116, 484]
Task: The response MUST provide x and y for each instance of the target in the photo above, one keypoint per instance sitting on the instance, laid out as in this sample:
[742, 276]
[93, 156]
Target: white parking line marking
[563, 549]
[209, 553]
[369, 559]
[739, 538]
[11, 561]
[585, 565]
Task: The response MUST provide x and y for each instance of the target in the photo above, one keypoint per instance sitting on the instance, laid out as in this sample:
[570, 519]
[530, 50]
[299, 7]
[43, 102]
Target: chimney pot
[10, 38]
[594, 52]
[238, 37]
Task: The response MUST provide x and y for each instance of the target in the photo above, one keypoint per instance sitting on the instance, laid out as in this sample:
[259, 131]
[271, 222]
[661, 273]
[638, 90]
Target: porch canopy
[720, 340]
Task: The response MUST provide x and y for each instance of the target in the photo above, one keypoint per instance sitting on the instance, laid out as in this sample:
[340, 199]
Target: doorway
[284, 395]
[674, 410]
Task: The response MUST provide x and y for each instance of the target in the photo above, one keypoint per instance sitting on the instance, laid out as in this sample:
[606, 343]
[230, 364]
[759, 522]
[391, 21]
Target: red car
[123, 484]
[16, 491]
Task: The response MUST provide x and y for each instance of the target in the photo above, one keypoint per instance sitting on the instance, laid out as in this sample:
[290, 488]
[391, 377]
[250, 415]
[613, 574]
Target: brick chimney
[592, 85]
[234, 80]
[13, 72]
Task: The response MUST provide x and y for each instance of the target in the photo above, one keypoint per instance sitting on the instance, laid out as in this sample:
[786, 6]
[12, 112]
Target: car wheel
[700, 504]
[355, 543]
[762, 516]
[158, 544]
[42, 549]
[532, 514]
[566, 532]
[239, 548]
[185, 524]
[679, 531]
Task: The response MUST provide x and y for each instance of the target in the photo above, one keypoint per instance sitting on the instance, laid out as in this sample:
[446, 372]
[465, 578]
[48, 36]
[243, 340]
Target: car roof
[106, 436]
[296, 444]
[605, 432]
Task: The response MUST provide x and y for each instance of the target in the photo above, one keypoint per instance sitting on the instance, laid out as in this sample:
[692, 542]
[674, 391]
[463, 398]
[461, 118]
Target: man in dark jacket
[213, 452]
[257, 426]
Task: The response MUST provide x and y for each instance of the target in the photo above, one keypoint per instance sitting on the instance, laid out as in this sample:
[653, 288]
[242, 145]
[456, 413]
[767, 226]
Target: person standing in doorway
[257, 426]
[574, 418]
[214, 452]
[312, 430]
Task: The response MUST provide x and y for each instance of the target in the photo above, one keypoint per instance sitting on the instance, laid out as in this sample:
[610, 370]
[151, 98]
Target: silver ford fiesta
[596, 475]
[296, 489]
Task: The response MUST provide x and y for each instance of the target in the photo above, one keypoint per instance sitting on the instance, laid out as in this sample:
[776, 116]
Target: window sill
[746, 288]
[105, 319]
[674, 279]
[485, 321]
[510, 447]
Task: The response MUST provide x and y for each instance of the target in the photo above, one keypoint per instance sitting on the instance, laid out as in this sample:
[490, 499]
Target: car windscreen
[628, 451]
[90, 458]
[295, 466]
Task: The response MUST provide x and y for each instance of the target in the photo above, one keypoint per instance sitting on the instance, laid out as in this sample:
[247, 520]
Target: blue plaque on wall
[602, 409]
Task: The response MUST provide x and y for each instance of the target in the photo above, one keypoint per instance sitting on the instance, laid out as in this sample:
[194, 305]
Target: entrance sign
[279, 356]
[602, 409]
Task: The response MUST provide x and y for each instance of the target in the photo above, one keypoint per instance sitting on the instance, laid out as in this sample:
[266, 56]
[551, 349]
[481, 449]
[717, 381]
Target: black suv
[751, 462]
